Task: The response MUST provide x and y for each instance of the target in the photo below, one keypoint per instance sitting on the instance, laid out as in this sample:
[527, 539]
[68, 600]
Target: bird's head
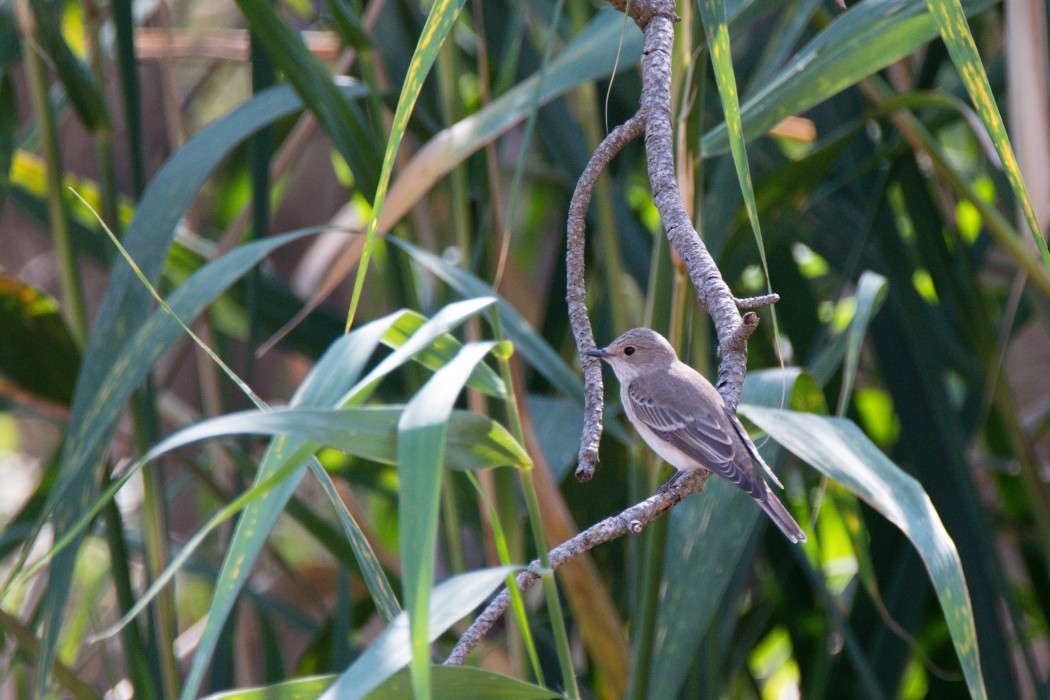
[637, 351]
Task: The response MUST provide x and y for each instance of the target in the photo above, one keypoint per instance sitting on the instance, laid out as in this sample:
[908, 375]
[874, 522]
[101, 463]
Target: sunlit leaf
[859, 42]
[473, 441]
[839, 449]
[421, 459]
[954, 30]
[450, 601]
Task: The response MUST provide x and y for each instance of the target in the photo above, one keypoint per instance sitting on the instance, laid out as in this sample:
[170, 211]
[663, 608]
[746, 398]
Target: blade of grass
[342, 121]
[58, 215]
[838, 449]
[123, 311]
[124, 24]
[8, 128]
[716, 28]
[858, 43]
[539, 535]
[954, 30]
[473, 441]
[871, 293]
[450, 601]
[332, 382]
[422, 430]
[516, 601]
[74, 76]
[442, 15]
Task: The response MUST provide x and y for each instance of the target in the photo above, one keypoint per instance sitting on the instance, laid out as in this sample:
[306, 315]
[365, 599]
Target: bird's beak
[600, 353]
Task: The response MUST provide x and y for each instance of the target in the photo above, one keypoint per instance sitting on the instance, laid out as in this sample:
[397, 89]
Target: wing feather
[705, 438]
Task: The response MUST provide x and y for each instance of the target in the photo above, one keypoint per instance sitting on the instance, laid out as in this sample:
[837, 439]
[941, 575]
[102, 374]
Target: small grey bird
[684, 420]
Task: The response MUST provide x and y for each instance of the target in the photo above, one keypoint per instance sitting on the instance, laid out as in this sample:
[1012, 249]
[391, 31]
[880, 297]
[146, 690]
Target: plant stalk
[58, 215]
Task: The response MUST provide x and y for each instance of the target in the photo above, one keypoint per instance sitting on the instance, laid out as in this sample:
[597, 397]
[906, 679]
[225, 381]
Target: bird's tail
[780, 515]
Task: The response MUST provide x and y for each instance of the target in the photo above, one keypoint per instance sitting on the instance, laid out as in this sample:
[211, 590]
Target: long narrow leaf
[536, 350]
[839, 449]
[83, 93]
[861, 41]
[442, 15]
[450, 601]
[345, 125]
[286, 458]
[951, 22]
[421, 460]
[332, 382]
[125, 308]
[590, 56]
[473, 441]
[716, 28]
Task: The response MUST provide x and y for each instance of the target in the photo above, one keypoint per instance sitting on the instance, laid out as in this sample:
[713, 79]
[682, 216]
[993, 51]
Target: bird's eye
[629, 350]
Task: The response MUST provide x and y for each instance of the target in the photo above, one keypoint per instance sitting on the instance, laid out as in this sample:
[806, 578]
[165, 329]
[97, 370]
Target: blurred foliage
[910, 420]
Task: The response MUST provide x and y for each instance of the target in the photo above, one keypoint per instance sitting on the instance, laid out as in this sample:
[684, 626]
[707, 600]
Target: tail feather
[780, 515]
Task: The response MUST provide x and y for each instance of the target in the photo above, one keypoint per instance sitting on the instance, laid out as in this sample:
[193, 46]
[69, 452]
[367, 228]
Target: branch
[632, 520]
[656, 19]
[714, 294]
[577, 290]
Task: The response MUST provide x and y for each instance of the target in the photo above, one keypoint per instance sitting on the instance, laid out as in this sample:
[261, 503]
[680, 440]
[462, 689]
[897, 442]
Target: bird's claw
[671, 487]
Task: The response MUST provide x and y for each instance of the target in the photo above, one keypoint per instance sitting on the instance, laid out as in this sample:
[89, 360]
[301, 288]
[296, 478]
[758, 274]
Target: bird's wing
[750, 445]
[702, 437]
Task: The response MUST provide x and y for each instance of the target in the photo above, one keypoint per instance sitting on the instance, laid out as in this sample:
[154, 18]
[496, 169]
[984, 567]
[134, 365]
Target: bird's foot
[672, 487]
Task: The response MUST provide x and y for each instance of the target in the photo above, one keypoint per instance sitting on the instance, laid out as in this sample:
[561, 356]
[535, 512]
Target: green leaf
[716, 28]
[332, 382]
[32, 327]
[779, 387]
[286, 460]
[449, 317]
[590, 55]
[954, 30]
[439, 352]
[421, 460]
[10, 46]
[474, 441]
[298, 689]
[450, 601]
[557, 421]
[8, 132]
[84, 95]
[123, 311]
[349, 25]
[442, 15]
[463, 683]
[343, 122]
[870, 295]
[859, 42]
[837, 448]
[535, 349]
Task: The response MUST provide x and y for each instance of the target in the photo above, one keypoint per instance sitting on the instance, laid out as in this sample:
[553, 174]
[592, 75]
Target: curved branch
[576, 294]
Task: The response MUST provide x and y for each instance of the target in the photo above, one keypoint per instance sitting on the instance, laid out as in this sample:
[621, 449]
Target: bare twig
[757, 302]
[632, 520]
[577, 292]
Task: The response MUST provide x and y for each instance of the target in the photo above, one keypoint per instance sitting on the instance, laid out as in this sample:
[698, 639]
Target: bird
[684, 419]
